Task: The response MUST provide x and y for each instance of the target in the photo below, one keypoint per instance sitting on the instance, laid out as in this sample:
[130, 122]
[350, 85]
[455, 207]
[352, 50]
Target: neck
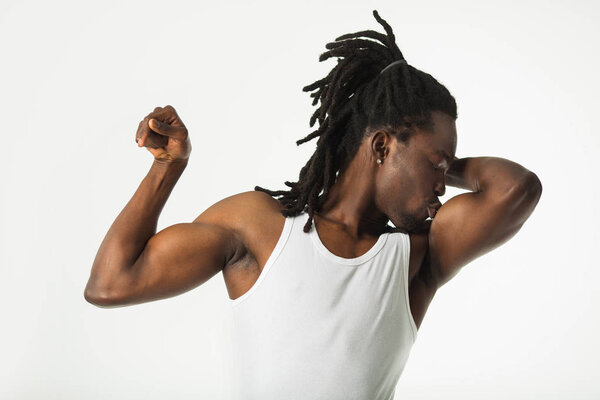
[349, 205]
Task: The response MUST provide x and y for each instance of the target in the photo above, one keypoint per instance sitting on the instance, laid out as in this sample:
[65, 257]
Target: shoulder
[245, 214]
[253, 220]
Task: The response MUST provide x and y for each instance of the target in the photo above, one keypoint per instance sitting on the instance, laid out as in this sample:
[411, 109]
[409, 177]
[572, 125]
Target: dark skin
[237, 234]
[401, 188]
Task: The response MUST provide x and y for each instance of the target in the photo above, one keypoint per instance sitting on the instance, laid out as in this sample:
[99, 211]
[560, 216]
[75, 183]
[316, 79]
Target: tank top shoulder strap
[402, 241]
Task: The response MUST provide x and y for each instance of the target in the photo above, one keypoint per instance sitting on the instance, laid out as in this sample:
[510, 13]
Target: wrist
[166, 171]
[171, 164]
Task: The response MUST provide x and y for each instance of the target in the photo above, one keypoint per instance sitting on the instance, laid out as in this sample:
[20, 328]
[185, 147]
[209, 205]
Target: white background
[521, 322]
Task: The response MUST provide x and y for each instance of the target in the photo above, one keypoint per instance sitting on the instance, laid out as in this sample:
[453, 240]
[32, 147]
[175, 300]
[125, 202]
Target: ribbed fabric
[316, 326]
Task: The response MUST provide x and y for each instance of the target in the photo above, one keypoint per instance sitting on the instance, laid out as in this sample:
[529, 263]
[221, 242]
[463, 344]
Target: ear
[380, 142]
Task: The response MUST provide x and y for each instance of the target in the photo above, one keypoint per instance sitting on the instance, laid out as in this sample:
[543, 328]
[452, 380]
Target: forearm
[485, 173]
[132, 228]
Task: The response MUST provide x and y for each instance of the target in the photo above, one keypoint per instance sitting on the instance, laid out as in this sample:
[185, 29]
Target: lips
[432, 210]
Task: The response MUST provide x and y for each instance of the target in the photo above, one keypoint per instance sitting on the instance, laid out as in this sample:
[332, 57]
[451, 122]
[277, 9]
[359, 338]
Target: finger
[176, 132]
[144, 133]
[142, 139]
[144, 128]
[138, 132]
[165, 114]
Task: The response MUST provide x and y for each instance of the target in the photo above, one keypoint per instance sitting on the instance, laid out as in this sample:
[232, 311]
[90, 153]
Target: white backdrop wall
[521, 322]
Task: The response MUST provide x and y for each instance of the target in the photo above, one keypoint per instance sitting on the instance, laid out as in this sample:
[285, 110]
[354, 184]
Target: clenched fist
[164, 135]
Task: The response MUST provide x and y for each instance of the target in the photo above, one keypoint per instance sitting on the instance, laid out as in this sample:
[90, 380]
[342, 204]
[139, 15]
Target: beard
[410, 223]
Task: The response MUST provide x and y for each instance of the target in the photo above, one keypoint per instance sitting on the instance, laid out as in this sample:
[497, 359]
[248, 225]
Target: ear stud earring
[379, 161]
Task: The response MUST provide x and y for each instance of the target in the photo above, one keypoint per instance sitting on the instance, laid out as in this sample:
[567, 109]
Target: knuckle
[157, 109]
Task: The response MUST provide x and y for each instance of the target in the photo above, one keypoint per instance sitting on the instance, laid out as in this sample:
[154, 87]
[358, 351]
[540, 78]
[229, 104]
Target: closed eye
[435, 167]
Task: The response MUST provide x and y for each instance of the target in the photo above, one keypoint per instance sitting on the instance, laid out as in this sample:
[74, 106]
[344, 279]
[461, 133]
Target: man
[327, 297]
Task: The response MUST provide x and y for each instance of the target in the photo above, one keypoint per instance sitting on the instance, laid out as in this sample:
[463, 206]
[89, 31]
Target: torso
[261, 231]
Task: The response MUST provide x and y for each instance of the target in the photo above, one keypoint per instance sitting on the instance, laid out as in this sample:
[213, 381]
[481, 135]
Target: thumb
[176, 132]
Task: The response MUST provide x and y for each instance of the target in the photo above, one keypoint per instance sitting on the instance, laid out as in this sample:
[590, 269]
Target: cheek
[396, 190]
[392, 183]
[403, 184]
[411, 191]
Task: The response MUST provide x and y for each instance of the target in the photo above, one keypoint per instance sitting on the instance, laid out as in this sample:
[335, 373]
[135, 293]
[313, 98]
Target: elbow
[93, 298]
[522, 198]
[526, 187]
[103, 291]
[97, 298]
[531, 187]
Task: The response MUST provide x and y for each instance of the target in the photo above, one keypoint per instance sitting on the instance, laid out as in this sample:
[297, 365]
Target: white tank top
[318, 326]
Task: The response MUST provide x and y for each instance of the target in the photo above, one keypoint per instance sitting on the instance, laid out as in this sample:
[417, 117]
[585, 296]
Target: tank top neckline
[342, 260]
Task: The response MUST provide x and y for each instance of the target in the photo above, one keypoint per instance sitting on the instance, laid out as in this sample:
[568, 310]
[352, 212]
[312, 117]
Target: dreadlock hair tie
[403, 61]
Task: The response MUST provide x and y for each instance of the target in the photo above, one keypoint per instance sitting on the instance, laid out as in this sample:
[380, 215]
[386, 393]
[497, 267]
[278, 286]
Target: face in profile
[412, 177]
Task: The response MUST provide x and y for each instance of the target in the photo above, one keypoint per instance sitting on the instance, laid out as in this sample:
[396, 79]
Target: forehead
[442, 138]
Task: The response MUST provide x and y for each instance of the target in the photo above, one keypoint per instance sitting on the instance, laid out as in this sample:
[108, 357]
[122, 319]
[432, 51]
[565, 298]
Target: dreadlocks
[357, 99]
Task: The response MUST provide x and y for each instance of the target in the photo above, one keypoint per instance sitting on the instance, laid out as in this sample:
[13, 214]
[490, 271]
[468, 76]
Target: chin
[411, 223]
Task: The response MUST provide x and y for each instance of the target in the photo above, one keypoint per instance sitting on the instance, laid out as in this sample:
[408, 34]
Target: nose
[440, 188]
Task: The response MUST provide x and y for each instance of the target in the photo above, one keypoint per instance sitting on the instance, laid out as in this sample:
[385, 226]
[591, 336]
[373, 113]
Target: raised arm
[135, 264]
[131, 241]
[504, 194]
